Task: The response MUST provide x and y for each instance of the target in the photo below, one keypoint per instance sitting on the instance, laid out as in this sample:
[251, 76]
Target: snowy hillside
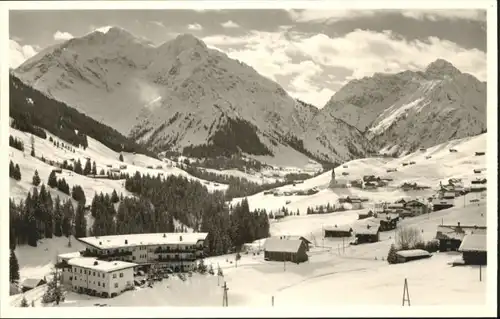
[441, 166]
[103, 156]
[182, 94]
[408, 110]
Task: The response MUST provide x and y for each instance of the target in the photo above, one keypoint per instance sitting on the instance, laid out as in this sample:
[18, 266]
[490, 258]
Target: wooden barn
[473, 249]
[31, 283]
[449, 237]
[338, 231]
[453, 150]
[412, 254]
[480, 153]
[279, 214]
[293, 250]
[57, 170]
[295, 237]
[370, 233]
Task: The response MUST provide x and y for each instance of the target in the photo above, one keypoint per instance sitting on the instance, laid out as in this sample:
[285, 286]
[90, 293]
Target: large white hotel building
[106, 266]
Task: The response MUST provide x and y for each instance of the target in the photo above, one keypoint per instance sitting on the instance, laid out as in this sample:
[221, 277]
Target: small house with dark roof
[31, 283]
[388, 221]
[365, 215]
[277, 249]
[449, 237]
[480, 153]
[411, 254]
[338, 231]
[368, 232]
[474, 249]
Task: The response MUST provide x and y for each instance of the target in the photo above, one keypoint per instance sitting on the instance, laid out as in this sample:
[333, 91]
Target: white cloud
[303, 63]
[195, 27]
[62, 36]
[230, 24]
[18, 54]
[157, 23]
[331, 16]
[446, 14]
[328, 16]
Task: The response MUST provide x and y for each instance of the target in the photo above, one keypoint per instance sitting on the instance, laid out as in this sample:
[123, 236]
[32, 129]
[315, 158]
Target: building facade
[177, 251]
[293, 250]
[416, 207]
[96, 277]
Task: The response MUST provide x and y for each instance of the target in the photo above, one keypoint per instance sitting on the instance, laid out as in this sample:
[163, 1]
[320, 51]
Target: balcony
[169, 250]
[88, 253]
[167, 259]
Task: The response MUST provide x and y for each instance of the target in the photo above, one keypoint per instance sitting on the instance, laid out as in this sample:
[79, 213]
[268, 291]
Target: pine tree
[219, 271]
[52, 182]
[17, 175]
[58, 218]
[24, 302]
[94, 169]
[32, 146]
[36, 179]
[211, 270]
[12, 169]
[114, 197]
[14, 267]
[80, 221]
[88, 167]
[78, 167]
[120, 158]
[391, 256]
[202, 268]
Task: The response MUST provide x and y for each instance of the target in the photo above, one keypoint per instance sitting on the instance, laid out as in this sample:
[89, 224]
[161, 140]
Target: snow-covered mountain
[184, 95]
[404, 111]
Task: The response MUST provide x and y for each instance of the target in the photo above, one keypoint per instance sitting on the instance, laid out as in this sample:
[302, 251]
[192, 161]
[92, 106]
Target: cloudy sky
[310, 53]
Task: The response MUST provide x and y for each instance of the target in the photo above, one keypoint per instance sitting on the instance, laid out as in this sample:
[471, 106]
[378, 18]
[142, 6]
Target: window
[103, 285]
[85, 272]
[93, 274]
[99, 283]
[121, 275]
[80, 270]
[133, 257]
[116, 285]
[114, 275]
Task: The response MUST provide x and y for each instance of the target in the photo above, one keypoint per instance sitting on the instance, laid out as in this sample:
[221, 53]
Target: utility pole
[480, 273]
[224, 295]
[272, 301]
[406, 293]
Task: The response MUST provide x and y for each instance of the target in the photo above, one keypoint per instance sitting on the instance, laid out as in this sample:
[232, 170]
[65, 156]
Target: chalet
[355, 202]
[413, 163]
[294, 250]
[389, 170]
[400, 201]
[345, 173]
[307, 242]
[31, 283]
[123, 166]
[344, 166]
[477, 171]
[365, 215]
[371, 185]
[109, 165]
[480, 153]
[115, 170]
[478, 185]
[473, 249]
[98, 176]
[149, 166]
[412, 254]
[422, 149]
[57, 170]
[388, 221]
[279, 214]
[338, 231]
[369, 178]
[417, 207]
[367, 234]
[357, 183]
[428, 157]
[159, 167]
[453, 150]
[446, 200]
[404, 164]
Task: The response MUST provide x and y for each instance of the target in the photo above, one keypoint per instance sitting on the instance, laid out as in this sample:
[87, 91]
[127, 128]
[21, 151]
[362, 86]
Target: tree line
[194, 206]
[16, 143]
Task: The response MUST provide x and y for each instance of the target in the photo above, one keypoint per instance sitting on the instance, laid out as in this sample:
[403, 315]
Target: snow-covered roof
[31, 282]
[473, 242]
[292, 237]
[396, 205]
[282, 245]
[387, 216]
[368, 227]
[74, 254]
[444, 232]
[118, 241]
[342, 228]
[100, 265]
[416, 202]
[413, 253]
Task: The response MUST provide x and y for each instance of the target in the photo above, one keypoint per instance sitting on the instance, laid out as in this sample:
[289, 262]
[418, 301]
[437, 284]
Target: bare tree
[408, 237]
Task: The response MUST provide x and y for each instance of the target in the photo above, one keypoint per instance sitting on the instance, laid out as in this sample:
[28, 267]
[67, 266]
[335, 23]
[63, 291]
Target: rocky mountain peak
[441, 68]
